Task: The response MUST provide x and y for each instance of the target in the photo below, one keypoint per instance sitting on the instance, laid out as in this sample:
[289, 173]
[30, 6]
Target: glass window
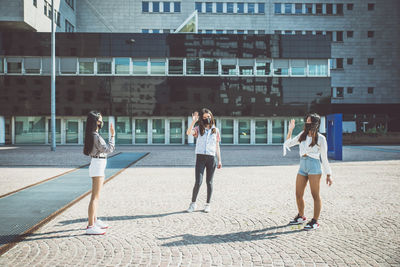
[72, 131]
[158, 131]
[230, 31]
[244, 132]
[210, 66]
[298, 8]
[350, 61]
[288, 8]
[1, 65]
[145, 30]
[30, 130]
[86, 66]
[166, 6]
[339, 36]
[175, 131]
[139, 66]
[263, 67]
[46, 65]
[140, 131]
[278, 131]
[319, 9]
[299, 67]
[229, 7]
[193, 66]
[339, 92]
[339, 9]
[370, 61]
[329, 9]
[219, 31]
[250, 8]
[246, 66]
[32, 65]
[370, 34]
[227, 131]
[370, 90]
[350, 6]
[156, 31]
[220, 8]
[104, 131]
[156, 6]
[123, 130]
[157, 66]
[371, 6]
[281, 66]
[240, 31]
[209, 7]
[198, 6]
[68, 65]
[175, 66]
[122, 65]
[209, 31]
[278, 8]
[350, 34]
[251, 31]
[349, 90]
[261, 8]
[309, 8]
[70, 3]
[228, 66]
[35, 3]
[339, 63]
[145, 6]
[318, 67]
[177, 6]
[14, 65]
[104, 65]
[261, 132]
[240, 8]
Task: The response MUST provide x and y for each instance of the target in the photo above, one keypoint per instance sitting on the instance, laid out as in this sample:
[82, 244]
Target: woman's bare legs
[97, 184]
[314, 186]
[301, 183]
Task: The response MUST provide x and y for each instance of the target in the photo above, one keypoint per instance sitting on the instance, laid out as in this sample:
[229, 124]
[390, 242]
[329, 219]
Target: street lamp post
[53, 79]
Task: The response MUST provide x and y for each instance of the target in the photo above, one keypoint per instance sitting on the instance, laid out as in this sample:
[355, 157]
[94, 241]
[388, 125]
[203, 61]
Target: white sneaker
[95, 230]
[101, 224]
[192, 207]
[207, 208]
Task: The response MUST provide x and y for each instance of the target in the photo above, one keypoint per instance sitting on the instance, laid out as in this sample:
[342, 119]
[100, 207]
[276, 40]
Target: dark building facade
[149, 84]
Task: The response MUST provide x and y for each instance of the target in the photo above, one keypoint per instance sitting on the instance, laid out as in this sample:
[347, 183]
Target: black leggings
[202, 162]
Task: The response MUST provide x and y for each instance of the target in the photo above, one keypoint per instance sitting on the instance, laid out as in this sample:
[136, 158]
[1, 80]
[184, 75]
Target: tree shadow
[122, 218]
[189, 239]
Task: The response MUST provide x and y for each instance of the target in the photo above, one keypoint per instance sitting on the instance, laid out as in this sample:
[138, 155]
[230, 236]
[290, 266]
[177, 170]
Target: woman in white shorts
[313, 150]
[97, 149]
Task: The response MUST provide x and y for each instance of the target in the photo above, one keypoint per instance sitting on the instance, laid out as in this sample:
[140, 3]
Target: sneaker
[298, 220]
[192, 207]
[101, 224]
[207, 208]
[95, 230]
[311, 225]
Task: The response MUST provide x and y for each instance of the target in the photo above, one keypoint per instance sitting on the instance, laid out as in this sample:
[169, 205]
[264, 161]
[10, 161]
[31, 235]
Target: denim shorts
[309, 166]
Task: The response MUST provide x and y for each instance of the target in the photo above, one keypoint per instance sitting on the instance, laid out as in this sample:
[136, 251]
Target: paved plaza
[248, 225]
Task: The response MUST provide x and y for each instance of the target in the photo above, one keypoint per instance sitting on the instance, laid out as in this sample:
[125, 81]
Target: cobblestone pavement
[247, 226]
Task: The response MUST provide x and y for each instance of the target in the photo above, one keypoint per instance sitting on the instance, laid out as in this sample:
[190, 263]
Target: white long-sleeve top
[319, 151]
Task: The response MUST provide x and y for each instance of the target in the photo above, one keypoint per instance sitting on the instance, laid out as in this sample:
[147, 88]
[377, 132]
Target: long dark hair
[91, 126]
[314, 129]
[202, 127]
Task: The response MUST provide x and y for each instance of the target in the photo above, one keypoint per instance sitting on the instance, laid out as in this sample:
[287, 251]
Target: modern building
[254, 64]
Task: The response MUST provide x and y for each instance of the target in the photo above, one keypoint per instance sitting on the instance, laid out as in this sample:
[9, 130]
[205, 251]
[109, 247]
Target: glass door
[244, 132]
[158, 131]
[123, 129]
[262, 132]
[277, 131]
[58, 131]
[71, 131]
[227, 131]
[175, 131]
[141, 131]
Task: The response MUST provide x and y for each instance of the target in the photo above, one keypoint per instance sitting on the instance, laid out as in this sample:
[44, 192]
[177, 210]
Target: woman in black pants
[207, 149]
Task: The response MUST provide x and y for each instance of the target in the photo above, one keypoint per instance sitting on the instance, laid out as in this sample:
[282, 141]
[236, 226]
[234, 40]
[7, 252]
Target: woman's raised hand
[195, 116]
[291, 125]
[112, 131]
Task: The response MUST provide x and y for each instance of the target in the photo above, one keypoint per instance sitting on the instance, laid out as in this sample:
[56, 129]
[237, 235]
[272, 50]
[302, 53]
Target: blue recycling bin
[334, 130]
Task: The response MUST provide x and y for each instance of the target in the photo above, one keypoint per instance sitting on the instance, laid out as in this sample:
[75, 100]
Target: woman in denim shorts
[313, 150]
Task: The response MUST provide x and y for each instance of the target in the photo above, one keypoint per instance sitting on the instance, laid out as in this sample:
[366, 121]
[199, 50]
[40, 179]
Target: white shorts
[97, 167]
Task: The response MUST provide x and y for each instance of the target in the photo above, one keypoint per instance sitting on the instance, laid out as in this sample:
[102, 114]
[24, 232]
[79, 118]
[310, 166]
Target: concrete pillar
[235, 131]
[150, 131]
[63, 131]
[269, 132]
[81, 131]
[252, 131]
[167, 131]
[183, 131]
